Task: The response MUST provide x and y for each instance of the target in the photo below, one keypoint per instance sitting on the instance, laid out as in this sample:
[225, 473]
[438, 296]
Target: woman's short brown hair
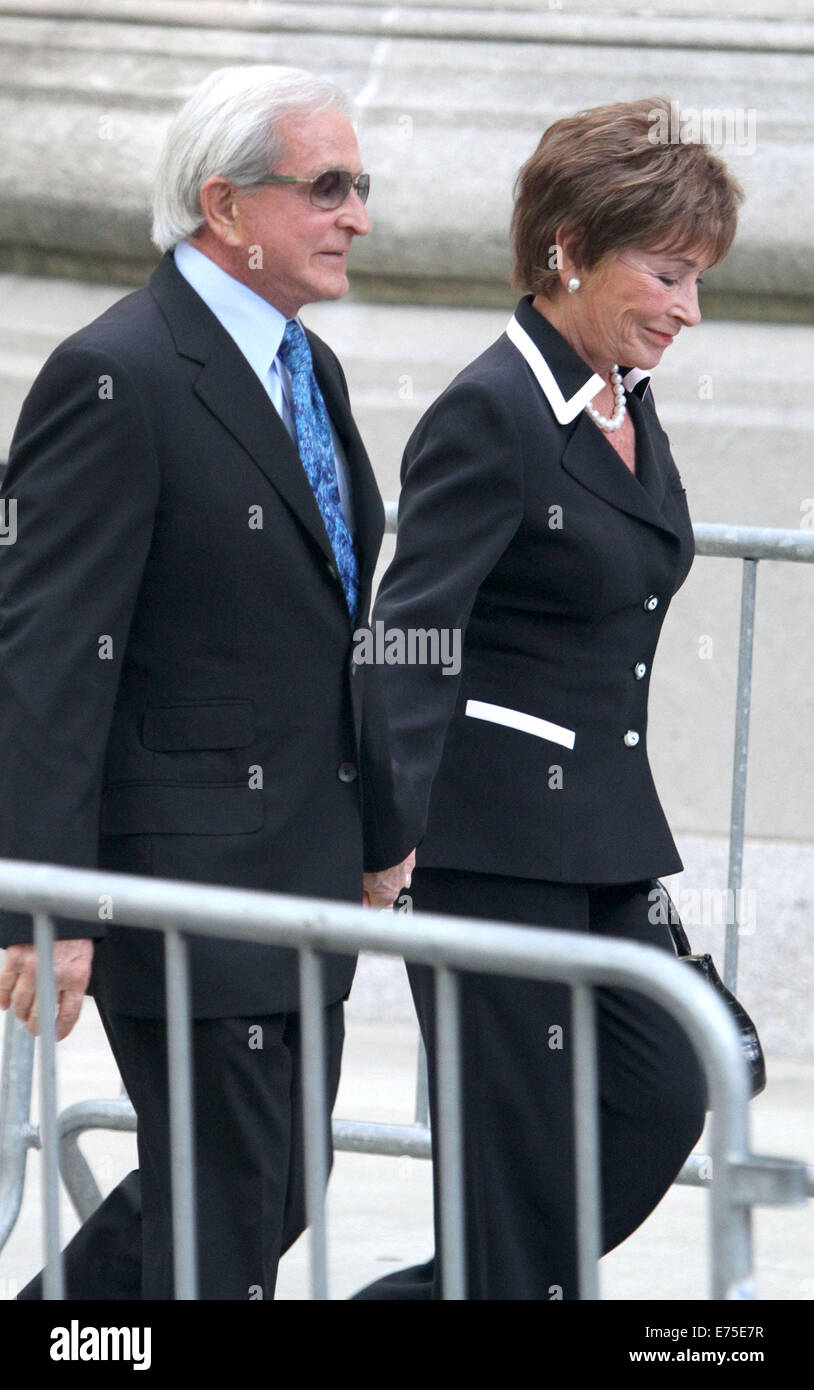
[609, 177]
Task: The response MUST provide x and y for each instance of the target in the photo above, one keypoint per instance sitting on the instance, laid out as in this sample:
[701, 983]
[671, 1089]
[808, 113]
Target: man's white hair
[230, 126]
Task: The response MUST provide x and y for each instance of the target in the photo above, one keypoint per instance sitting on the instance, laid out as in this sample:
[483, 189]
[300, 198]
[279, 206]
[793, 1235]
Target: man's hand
[18, 982]
[381, 889]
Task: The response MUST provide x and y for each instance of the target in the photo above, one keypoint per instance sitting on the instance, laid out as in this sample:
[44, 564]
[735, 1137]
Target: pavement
[380, 1208]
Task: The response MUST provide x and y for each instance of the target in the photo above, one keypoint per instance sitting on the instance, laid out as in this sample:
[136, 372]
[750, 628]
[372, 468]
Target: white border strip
[518, 719]
[564, 410]
[633, 377]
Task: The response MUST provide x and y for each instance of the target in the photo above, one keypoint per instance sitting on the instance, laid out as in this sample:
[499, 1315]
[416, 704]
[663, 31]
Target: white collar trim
[633, 377]
[564, 410]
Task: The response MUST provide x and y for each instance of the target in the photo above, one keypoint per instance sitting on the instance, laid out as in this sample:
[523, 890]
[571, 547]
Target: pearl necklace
[621, 405]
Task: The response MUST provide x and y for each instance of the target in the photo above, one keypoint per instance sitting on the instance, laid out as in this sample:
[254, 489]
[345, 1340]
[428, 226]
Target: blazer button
[631, 738]
[332, 570]
[346, 772]
[640, 670]
[651, 603]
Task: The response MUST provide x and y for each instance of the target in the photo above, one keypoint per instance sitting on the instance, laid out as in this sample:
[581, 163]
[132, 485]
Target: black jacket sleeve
[83, 475]
[461, 503]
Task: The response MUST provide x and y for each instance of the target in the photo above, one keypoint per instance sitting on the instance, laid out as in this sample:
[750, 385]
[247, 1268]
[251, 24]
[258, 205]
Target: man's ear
[221, 210]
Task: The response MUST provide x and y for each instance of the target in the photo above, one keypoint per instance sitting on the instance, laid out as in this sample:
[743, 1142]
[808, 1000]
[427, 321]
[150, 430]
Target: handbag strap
[677, 932]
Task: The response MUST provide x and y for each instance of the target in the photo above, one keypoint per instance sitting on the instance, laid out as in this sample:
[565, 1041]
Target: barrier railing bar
[450, 1137]
[182, 1142]
[315, 1115]
[17, 1134]
[327, 926]
[753, 542]
[740, 761]
[74, 1120]
[421, 1112]
[53, 1283]
[730, 1221]
[354, 1136]
[586, 1141]
[370, 1137]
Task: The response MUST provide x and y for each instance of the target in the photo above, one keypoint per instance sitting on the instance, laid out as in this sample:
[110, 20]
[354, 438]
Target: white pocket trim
[518, 719]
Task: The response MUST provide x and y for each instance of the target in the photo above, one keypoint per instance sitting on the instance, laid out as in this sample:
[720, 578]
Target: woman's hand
[382, 888]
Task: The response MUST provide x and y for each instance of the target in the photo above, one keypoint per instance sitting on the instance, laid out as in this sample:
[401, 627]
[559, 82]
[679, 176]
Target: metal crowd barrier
[737, 1178]
[763, 1181]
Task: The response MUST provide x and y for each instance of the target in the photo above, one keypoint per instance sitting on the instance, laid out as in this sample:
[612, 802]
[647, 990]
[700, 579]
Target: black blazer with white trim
[520, 524]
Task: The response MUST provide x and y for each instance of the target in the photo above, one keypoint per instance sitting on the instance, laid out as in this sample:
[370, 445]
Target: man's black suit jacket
[177, 696]
[520, 525]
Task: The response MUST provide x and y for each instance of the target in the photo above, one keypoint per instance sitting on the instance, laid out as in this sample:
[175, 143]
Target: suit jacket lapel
[230, 389]
[594, 462]
[649, 470]
[241, 404]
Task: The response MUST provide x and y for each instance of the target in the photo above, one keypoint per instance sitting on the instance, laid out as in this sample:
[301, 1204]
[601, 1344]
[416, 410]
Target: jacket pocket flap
[157, 808]
[185, 728]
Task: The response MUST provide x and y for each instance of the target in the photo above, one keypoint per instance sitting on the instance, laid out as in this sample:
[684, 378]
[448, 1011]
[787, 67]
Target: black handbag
[750, 1042]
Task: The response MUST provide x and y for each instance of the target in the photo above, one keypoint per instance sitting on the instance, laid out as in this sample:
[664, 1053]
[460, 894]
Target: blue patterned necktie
[317, 454]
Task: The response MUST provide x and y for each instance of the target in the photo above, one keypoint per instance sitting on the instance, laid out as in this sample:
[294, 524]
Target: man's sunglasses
[329, 189]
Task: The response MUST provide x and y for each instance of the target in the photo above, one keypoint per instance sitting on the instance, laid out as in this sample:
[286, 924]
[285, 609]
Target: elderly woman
[542, 514]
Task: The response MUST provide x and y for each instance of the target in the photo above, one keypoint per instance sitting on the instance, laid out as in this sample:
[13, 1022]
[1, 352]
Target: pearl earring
[574, 284]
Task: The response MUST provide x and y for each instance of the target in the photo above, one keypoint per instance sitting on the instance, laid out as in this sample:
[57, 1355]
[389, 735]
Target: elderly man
[198, 526]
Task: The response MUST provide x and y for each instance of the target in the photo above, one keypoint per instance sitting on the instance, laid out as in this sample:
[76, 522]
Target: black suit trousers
[249, 1161]
[520, 1195]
